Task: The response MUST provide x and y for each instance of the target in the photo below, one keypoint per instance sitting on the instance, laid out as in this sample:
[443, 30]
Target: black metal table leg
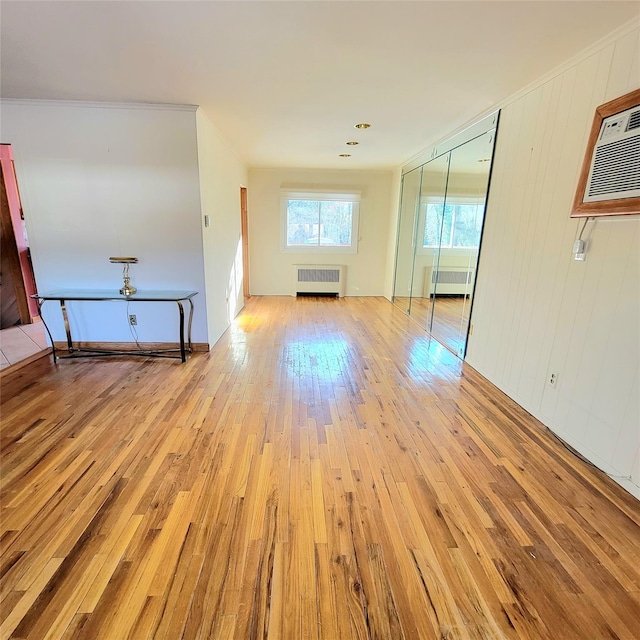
[53, 346]
[67, 326]
[189, 326]
[182, 351]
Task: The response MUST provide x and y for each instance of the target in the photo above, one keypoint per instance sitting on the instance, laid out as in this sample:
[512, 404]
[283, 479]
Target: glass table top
[147, 295]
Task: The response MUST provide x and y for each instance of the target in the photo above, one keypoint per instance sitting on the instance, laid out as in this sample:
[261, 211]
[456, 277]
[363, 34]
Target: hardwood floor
[325, 471]
[450, 319]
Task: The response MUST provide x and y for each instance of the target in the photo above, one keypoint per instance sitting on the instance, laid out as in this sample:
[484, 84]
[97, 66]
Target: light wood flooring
[326, 471]
[450, 319]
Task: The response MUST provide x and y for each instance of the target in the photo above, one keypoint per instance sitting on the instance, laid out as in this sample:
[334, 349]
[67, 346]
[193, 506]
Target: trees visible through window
[459, 223]
[318, 221]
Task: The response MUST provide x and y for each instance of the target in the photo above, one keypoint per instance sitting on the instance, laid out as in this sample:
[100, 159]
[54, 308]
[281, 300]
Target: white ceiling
[286, 81]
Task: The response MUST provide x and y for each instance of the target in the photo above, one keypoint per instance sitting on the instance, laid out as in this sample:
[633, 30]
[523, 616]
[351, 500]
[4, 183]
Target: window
[460, 222]
[321, 222]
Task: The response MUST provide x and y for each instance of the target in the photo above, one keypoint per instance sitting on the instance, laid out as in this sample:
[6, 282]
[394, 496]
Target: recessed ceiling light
[362, 125]
[345, 155]
[352, 142]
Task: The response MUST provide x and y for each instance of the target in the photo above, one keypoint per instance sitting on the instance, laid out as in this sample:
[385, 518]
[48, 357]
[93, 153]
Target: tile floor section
[21, 342]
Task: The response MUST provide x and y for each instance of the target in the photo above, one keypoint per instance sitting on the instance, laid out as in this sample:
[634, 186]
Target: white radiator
[319, 279]
[450, 281]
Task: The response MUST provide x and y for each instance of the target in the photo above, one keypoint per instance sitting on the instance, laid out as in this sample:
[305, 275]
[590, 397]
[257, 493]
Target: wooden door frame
[244, 224]
[14, 227]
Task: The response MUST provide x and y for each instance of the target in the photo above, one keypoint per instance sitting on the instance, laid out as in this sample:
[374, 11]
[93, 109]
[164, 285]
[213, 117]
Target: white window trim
[319, 194]
[460, 200]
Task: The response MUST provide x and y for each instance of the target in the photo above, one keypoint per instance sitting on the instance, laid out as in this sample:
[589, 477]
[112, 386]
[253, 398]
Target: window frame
[319, 195]
[456, 201]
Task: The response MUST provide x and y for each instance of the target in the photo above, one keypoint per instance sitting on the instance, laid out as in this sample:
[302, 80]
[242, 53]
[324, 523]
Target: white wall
[221, 176]
[536, 310]
[103, 180]
[271, 268]
[392, 233]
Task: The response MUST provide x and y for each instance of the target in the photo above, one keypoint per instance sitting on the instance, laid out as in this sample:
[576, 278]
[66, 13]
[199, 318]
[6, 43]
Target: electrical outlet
[553, 380]
[133, 320]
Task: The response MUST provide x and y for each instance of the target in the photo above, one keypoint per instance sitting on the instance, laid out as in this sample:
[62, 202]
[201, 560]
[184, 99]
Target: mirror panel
[461, 220]
[432, 195]
[441, 217]
[406, 239]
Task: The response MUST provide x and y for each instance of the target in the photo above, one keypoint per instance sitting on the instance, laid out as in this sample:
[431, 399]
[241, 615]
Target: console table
[101, 295]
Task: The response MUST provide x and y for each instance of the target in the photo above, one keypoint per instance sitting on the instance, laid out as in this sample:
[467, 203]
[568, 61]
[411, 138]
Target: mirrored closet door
[405, 249]
[439, 232]
[428, 229]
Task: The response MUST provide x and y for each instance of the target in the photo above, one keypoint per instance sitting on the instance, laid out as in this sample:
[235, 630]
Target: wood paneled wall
[538, 311]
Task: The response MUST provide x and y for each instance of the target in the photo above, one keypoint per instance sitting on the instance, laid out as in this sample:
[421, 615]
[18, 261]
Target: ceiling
[285, 82]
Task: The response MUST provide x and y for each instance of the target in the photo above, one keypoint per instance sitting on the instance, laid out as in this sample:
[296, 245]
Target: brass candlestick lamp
[127, 288]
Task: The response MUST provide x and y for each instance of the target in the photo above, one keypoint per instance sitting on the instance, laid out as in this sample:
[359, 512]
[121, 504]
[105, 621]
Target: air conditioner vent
[634, 120]
[615, 165]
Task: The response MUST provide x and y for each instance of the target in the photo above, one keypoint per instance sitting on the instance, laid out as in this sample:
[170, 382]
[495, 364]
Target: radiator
[319, 279]
[449, 281]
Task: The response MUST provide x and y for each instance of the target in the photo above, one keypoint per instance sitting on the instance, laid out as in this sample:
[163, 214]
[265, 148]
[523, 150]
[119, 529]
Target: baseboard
[592, 457]
[132, 346]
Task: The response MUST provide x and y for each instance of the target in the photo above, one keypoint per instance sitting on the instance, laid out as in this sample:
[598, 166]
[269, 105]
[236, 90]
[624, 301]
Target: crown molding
[33, 102]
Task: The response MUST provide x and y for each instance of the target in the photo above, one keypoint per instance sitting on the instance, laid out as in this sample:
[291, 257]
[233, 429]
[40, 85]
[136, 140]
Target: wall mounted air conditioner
[615, 166]
[610, 179]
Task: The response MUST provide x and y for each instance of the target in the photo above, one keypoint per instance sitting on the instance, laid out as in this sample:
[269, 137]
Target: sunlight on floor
[234, 286]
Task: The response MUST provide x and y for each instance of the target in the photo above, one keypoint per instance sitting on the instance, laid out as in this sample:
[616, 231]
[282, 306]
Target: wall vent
[615, 170]
[448, 281]
[451, 277]
[323, 279]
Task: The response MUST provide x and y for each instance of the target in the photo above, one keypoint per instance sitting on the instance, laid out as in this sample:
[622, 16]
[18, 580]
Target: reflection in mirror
[455, 250]
[406, 237]
[440, 225]
[432, 195]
